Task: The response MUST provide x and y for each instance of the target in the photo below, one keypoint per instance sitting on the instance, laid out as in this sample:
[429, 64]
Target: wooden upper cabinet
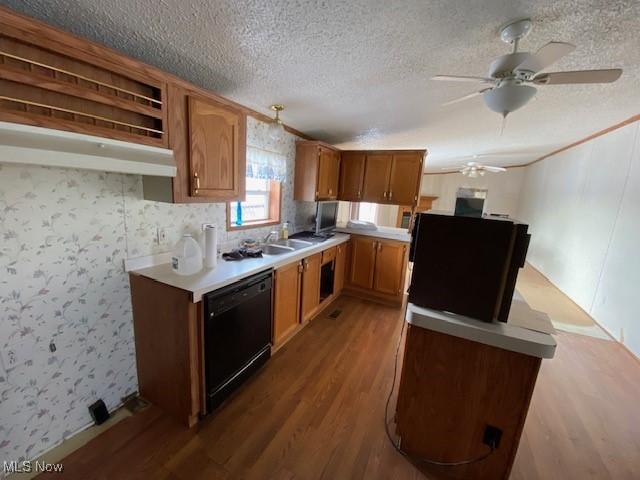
[392, 177]
[310, 299]
[286, 301]
[49, 78]
[363, 259]
[352, 166]
[317, 170]
[390, 267]
[405, 177]
[376, 177]
[217, 162]
[328, 172]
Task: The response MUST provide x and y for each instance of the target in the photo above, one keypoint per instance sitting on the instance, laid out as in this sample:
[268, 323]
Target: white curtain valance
[265, 164]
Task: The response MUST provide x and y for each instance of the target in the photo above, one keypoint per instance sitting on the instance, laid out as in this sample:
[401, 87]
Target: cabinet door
[310, 285]
[363, 257]
[406, 172]
[389, 269]
[217, 150]
[286, 301]
[340, 261]
[351, 176]
[328, 171]
[376, 177]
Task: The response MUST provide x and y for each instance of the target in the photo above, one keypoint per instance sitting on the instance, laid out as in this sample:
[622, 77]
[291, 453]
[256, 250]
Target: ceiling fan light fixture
[276, 127]
[508, 98]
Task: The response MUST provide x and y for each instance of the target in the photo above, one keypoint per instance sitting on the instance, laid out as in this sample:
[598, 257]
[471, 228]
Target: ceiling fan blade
[462, 78]
[580, 76]
[489, 168]
[452, 169]
[545, 56]
[466, 97]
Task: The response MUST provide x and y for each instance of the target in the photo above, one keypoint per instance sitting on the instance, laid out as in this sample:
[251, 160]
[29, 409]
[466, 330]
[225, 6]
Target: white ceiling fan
[509, 83]
[475, 169]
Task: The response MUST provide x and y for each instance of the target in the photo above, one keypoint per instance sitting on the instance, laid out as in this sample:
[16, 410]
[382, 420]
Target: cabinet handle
[330, 191]
[390, 193]
[358, 193]
[385, 194]
[196, 181]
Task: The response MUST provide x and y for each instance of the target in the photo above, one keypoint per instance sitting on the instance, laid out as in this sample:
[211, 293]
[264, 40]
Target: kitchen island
[465, 388]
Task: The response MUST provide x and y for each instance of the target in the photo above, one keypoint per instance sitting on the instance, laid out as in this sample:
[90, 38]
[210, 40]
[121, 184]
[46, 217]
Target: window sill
[256, 224]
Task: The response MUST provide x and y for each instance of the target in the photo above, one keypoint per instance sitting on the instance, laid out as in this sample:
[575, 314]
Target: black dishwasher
[237, 341]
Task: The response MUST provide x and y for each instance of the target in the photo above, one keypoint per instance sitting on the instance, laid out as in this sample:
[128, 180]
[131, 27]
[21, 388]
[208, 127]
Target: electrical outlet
[161, 236]
[492, 436]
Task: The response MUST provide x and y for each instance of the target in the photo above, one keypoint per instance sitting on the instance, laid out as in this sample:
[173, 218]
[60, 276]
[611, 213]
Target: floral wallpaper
[66, 333]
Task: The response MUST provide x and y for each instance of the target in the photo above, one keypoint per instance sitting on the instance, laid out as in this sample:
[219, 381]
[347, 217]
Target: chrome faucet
[272, 232]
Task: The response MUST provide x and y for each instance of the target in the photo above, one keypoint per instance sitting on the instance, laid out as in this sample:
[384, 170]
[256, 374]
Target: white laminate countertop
[228, 272]
[390, 233]
[497, 334]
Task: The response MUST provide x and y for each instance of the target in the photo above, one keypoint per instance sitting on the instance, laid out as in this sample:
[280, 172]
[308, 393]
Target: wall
[502, 196]
[65, 234]
[583, 207]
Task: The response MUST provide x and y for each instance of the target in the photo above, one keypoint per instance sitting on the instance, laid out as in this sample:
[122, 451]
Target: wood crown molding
[597, 134]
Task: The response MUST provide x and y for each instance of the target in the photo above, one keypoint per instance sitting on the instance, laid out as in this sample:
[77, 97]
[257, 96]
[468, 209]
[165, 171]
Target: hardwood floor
[315, 411]
[542, 295]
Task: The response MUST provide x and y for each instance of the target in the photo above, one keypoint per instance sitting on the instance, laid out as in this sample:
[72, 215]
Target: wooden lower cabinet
[389, 272]
[377, 268]
[286, 301]
[169, 348]
[339, 267]
[310, 298]
[363, 258]
[300, 291]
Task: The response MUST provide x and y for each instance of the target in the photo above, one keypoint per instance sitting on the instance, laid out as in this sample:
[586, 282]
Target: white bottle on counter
[187, 256]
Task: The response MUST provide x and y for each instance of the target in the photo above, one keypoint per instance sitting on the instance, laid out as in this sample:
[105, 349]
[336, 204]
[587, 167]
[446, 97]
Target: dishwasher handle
[222, 300]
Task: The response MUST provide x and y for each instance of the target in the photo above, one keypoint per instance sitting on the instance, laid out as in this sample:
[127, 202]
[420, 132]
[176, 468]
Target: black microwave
[466, 265]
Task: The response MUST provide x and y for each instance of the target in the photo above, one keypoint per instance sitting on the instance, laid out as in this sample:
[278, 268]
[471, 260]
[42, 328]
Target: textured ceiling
[355, 73]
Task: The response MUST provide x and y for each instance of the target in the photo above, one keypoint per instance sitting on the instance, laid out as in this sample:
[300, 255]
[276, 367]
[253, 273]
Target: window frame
[275, 209]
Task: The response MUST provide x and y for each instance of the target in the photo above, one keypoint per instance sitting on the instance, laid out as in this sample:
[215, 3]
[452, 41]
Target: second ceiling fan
[510, 83]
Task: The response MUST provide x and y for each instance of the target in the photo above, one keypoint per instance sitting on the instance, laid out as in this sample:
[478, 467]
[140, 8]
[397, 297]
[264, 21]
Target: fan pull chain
[504, 123]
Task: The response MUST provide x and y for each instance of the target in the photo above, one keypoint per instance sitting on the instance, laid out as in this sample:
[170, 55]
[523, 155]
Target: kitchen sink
[295, 244]
[273, 249]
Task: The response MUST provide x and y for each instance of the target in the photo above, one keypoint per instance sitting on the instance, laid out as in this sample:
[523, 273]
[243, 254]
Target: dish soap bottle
[284, 233]
[187, 256]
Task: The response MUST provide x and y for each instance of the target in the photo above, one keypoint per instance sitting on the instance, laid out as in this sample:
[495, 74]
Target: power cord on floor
[386, 420]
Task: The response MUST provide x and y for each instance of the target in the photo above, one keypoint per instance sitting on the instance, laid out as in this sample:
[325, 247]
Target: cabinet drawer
[328, 255]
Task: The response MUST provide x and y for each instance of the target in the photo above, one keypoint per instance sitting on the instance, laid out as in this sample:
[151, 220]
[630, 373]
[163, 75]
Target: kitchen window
[262, 203]
[364, 211]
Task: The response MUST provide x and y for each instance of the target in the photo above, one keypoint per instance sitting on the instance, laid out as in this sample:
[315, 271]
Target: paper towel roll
[210, 246]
